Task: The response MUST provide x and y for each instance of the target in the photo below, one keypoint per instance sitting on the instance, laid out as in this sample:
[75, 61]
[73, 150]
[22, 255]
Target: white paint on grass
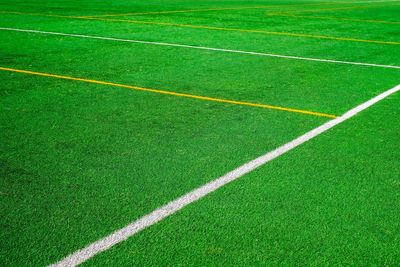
[204, 48]
[360, 2]
[157, 215]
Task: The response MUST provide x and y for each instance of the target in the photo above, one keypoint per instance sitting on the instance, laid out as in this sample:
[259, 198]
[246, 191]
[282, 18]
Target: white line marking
[157, 215]
[338, 2]
[205, 48]
[374, 1]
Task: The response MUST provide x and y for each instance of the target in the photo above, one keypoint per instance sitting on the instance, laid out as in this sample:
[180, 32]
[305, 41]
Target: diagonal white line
[157, 215]
[205, 48]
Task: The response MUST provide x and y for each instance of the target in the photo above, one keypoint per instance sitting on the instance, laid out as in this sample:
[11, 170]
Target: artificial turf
[332, 201]
[81, 160]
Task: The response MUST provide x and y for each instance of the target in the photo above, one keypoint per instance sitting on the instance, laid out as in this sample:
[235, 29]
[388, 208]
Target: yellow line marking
[171, 93]
[214, 250]
[37, 14]
[253, 31]
[203, 10]
[332, 18]
[328, 9]
[136, 251]
[285, 13]
[220, 28]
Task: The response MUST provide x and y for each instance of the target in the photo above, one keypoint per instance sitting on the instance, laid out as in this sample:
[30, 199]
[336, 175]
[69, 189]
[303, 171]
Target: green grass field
[97, 133]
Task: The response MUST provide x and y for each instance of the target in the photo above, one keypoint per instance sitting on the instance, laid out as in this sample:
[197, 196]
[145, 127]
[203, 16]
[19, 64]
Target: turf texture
[81, 160]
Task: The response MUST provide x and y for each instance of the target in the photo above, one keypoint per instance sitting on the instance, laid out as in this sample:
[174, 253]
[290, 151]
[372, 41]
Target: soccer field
[196, 133]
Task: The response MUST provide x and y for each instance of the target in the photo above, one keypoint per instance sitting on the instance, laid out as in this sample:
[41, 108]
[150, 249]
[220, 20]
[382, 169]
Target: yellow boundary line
[38, 14]
[171, 93]
[253, 31]
[346, 19]
[204, 10]
[286, 14]
[213, 28]
[333, 8]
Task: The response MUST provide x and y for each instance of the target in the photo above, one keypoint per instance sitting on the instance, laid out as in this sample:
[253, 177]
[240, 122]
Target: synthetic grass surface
[98, 158]
[332, 201]
[81, 160]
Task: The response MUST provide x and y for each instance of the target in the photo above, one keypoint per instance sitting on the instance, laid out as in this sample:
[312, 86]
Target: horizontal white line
[375, 1]
[205, 48]
[157, 215]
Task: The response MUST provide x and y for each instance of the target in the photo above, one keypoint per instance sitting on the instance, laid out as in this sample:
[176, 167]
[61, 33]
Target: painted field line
[35, 14]
[213, 28]
[328, 9]
[290, 14]
[171, 93]
[206, 48]
[204, 10]
[360, 2]
[246, 30]
[157, 215]
[333, 18]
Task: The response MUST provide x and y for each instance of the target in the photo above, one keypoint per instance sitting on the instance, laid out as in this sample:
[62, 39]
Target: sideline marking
[212, 28]
[159, 214]
[334, 8]
[290, 14]
[245, 30]
[36, 14]
[201, 10]
[205, 48]
[375, 1]
[172, 93]
[331, 18]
